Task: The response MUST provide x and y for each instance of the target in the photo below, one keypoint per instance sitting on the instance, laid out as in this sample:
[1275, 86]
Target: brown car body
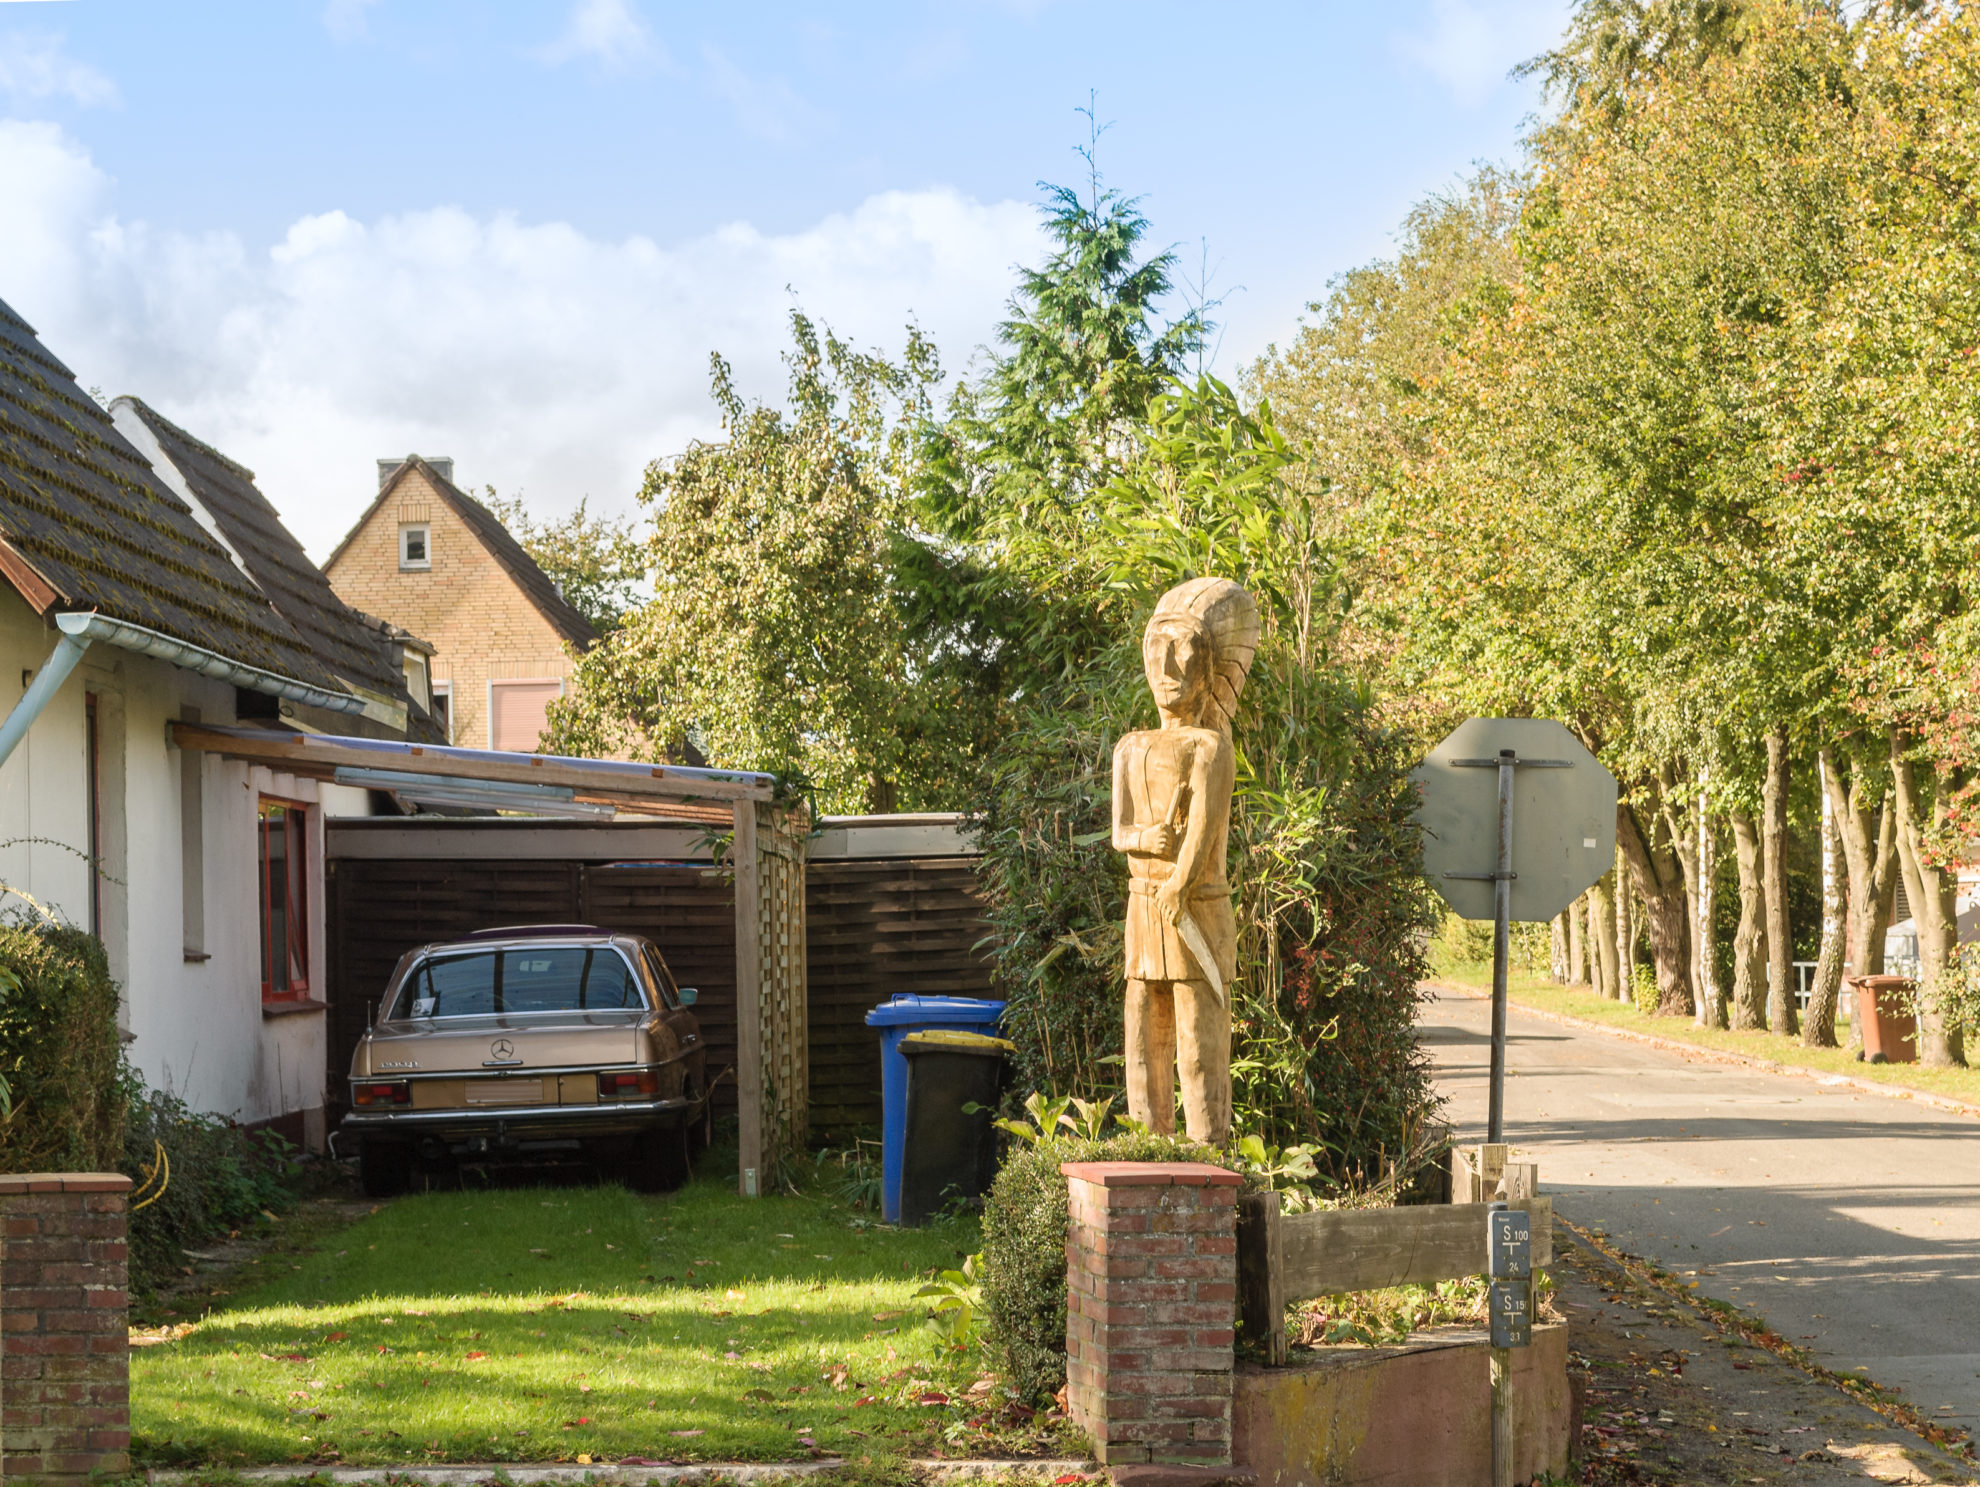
[623, 1084]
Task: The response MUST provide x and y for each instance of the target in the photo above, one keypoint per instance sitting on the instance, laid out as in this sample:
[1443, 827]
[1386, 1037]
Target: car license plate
[505, 1092]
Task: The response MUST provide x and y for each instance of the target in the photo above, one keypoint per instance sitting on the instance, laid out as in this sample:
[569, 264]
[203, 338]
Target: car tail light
[382, 1094]
[629, 1084]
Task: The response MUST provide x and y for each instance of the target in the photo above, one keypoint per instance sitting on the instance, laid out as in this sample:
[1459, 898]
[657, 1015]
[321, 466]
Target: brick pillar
[1151, 1309]
[65, 1399]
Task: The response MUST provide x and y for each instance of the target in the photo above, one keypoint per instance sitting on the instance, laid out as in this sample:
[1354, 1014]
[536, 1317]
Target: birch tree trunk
[1749, 988]
[1625, 931]
[1708, 1007]
[1773, 872]
[1557, 964]
[1931, 891]
[1659, 878]
[1818, 1029]
[1577, 942]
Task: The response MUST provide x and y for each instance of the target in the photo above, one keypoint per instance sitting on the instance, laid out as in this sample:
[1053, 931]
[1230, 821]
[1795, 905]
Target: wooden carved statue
[1172, 815]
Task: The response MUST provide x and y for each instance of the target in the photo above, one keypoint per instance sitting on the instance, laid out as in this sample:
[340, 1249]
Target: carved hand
[1169, 900]
[1159, 841]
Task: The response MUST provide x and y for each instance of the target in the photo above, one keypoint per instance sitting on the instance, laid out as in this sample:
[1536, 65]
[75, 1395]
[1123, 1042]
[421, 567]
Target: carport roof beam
[322, 754]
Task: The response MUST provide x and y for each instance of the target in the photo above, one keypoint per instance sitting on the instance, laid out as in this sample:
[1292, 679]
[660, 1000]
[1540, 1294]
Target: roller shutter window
[518, 712]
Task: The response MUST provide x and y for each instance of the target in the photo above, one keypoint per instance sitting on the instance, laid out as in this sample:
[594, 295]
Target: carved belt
[1147, 887]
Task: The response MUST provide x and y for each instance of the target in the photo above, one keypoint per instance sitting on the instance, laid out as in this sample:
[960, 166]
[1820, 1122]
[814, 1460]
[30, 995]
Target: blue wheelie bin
[895, 1019]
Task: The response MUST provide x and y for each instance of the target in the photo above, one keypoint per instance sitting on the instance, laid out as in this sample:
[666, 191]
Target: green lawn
[560, 1323]
[1546, 996]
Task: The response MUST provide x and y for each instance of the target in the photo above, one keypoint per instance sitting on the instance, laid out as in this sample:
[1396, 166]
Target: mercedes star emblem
[501, 1048]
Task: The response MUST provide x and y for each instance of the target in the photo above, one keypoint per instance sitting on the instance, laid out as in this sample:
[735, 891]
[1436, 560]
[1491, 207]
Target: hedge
[59, 1052]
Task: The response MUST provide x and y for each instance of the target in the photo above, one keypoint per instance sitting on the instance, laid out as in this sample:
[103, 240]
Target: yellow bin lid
[944, 1040]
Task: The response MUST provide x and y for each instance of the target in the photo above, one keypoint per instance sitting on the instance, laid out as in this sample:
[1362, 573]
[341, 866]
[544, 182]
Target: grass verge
[576, 1324]
[1547, 996]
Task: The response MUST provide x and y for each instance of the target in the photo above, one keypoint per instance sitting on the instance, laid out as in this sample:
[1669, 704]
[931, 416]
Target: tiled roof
[342, 641]
[532, 580]
[82, 507]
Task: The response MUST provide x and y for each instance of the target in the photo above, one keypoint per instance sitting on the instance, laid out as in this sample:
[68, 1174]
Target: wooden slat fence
[875, 928]
[1283, 1258]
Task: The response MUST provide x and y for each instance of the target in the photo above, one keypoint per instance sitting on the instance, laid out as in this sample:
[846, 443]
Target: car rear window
[547, 978]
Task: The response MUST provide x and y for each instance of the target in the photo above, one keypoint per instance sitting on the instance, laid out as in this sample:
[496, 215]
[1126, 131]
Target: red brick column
[1151, 1309]
[65, 1399]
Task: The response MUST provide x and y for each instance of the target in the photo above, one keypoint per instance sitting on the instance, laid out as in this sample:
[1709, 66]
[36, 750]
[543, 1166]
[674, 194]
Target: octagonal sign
[1564, 818]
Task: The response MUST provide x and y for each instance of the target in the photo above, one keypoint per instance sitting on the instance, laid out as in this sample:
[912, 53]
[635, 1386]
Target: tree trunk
[1557, 962]
[1781, 1007]
[1708, 1006]
[1749, 988]
[1931, 892]
[1659, 879]
[1604, 957]
[1681, 826]
[1625, 931]
[1577, 942]
[1819, 1027]
[1870, 853]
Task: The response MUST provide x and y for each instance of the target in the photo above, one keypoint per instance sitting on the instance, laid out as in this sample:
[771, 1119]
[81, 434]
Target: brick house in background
[429, 558]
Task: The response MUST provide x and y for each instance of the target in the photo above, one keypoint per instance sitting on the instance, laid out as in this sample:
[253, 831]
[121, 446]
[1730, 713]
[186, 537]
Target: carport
[731, 821]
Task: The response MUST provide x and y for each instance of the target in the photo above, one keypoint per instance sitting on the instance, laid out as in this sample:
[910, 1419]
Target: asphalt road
[1850, 1221]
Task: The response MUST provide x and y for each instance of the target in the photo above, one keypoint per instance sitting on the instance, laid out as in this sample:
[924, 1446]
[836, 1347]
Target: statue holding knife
[1172, 812]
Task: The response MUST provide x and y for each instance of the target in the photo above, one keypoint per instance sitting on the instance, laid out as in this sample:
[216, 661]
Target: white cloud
[610, 31]
[346, 20]
[768, 108]
[1470, 45]
[34, 67]
[539, 357]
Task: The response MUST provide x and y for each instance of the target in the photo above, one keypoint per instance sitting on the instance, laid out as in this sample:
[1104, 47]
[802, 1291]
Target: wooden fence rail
[1283, 1258]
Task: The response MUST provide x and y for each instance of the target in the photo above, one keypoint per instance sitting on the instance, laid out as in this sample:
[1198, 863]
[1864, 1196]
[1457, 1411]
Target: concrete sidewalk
[1851, 1222]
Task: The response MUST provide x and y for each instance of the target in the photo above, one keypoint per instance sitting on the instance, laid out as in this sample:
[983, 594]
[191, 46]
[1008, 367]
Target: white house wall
[197, 1025]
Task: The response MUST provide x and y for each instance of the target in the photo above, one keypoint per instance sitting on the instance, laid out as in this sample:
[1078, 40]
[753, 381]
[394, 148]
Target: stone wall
[1151, 1309]
[65, 1402]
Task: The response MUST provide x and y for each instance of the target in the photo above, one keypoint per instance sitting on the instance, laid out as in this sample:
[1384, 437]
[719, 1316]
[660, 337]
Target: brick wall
[1151, 1309]
[65, 1402]
[481, 625]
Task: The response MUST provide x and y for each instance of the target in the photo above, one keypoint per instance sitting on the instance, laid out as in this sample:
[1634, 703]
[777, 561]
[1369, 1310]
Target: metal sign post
[1549, 831]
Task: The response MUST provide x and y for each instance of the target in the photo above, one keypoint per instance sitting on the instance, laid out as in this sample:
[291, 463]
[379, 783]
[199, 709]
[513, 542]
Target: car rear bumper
[510, 1125]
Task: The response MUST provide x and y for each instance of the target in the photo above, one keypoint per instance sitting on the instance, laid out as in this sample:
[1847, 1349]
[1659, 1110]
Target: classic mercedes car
[535, 1041]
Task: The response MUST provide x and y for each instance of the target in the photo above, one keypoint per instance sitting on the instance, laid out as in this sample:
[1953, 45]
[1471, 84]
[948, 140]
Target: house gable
[502, 636]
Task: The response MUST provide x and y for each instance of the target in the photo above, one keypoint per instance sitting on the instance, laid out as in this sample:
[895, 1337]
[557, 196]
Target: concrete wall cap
[13, 1184]
[1151, 1174]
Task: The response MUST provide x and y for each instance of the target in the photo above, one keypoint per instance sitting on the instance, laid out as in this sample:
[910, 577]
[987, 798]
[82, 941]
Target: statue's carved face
[1175, 655]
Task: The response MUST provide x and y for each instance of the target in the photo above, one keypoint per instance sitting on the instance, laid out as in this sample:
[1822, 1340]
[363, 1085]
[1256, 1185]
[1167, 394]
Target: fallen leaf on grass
[476, 1357]
[887, 1316]
[931, 1398]
[335, 1336]
[732, 1295]
[687, 1432]
[584, 1459]
[573, 1424]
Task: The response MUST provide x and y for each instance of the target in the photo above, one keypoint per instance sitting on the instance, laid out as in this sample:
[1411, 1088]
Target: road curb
[610, 1475]
[1764, 1065]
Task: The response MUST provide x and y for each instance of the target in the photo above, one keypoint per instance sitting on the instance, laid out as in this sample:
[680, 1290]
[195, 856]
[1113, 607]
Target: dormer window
[416, 545]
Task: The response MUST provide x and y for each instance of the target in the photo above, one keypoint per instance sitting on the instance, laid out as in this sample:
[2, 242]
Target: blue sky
[322, 232]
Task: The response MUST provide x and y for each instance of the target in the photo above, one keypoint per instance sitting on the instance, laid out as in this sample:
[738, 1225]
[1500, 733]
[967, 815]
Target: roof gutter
[80, 630]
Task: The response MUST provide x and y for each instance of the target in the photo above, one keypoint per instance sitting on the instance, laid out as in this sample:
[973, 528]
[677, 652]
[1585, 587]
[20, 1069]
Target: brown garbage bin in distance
[1883, 1012]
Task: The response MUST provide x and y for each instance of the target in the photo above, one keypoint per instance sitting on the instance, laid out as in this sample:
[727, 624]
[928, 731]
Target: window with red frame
[284, 899]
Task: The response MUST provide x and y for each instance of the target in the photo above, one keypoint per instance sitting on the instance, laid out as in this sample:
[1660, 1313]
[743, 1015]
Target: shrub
[222, 1176]
[59, 1052]
[1024, 1249]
